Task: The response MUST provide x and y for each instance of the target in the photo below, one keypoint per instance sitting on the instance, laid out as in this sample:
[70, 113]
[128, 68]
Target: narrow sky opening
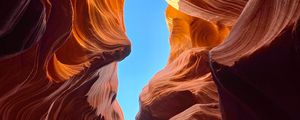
[146, 28]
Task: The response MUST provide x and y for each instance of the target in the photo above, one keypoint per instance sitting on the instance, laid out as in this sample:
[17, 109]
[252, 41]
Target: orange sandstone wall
[230, 60]
[58, 59]
[184, 89]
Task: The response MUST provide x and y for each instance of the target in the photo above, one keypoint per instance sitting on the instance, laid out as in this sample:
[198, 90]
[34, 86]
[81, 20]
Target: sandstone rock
[249, 48]
[58, 59]
[184, 89]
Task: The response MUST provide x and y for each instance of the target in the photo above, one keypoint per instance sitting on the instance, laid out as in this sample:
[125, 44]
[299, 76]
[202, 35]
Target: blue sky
[147, 30]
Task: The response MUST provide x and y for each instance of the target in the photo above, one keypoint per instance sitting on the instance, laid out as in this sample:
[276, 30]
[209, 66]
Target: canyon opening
[177, 59]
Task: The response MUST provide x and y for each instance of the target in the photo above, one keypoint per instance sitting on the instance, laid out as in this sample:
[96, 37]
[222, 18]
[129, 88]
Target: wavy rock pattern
[257, 67]
[230, 60]
[184, 89]
[58, 59]
[235, 44]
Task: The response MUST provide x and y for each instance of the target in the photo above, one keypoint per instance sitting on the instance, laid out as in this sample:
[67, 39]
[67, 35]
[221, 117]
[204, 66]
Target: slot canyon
[228, 60]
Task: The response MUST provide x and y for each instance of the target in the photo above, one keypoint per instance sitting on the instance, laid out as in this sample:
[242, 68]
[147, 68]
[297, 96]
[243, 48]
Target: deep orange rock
[230, 60]
[58, 59]
[184, 89]
[250, 49]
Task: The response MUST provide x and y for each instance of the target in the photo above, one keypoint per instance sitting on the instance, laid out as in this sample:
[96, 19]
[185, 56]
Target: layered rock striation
[184, 89]
[230, 60]
[58, 59]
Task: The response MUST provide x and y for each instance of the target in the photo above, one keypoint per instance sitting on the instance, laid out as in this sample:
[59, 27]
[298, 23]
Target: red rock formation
[265, 85]
[58, 59]
[184, 89]
[256, 68]
[230, 60]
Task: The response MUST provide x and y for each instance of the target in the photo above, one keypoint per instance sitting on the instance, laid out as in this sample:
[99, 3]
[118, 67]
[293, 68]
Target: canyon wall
[229, 60]
[58, 59]
[184, 89]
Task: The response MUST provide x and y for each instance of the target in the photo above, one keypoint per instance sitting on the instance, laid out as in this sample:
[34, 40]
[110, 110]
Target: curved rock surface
[229, 60]
[257, 67]
[58, 59]
[184, 89]
[250, 49]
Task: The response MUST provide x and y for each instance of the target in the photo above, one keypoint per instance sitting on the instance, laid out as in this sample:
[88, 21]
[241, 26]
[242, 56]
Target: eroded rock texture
[257, 68]
[58, 59]
[184, 89]
[250, 49]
